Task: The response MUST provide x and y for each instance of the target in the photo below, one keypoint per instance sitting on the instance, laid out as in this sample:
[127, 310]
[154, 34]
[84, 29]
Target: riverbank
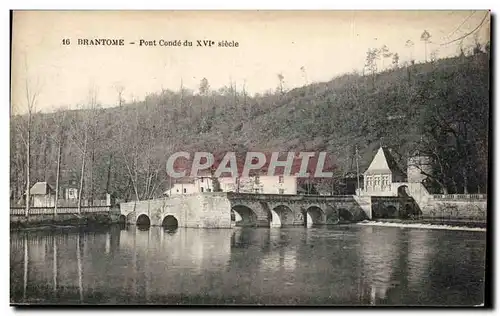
[62, 221]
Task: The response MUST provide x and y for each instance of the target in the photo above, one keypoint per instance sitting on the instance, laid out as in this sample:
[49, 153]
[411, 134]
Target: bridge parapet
[288, 197]
[460, 197]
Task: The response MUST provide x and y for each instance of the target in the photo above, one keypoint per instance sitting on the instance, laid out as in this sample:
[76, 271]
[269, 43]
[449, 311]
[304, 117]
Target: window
[280, 179]
[177, 190]
[209, 190]
[385, 182]
[185, 190]
[201, 181]
[201, 189]
[369, 183]
[281, 191]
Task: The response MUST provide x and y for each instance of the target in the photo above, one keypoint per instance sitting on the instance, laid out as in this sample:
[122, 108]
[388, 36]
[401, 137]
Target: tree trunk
[109, 173]
[84, 154]
[28, 147]
[92, 176]
[425, 51]
[58, 175]
[466, 180]
[444, 188]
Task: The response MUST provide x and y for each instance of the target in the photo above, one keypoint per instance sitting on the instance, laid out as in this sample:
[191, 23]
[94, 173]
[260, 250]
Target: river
[335, 265]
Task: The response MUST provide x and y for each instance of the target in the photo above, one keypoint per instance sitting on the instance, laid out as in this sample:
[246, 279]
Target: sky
[304, 46]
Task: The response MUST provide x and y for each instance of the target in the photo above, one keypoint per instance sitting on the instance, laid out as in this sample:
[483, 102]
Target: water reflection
[348, 265]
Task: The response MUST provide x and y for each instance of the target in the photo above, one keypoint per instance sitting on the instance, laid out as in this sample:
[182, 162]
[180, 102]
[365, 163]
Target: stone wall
[455, 209]
[461, 210]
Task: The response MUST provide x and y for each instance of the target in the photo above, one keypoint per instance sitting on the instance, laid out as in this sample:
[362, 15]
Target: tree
[281, 83]
[119, 90]
[82, 126]
[409, 45]
[372, 55]
[59, 139]
[477, 47]
[453, 108]
[425, 37]
[384, 51]
[304, 75]
[31, 93]
[434, 55]
[204, 87]
[395, 61]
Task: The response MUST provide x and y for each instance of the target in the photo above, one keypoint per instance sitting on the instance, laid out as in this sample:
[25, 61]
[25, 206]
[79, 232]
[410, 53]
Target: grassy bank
[62, 220]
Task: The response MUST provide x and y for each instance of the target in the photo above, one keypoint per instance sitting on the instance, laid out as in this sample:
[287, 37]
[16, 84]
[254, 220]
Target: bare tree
[128, 137]
[372, 55]
[409, 44]
[58, 138]
[281, 84]
[81, 129]
[119, 90]
[304, 75]
[31, 93]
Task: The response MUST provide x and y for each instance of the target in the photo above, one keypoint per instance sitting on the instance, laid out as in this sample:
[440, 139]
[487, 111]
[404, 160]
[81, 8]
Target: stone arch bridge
[227, 209]
[293, 210]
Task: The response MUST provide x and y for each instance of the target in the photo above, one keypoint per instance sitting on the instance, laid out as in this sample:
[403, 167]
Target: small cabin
[42, 195]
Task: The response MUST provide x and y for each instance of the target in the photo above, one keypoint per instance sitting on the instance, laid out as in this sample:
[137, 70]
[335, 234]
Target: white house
[251, 184]
[43, 195]
[381, 174]
[262, 184]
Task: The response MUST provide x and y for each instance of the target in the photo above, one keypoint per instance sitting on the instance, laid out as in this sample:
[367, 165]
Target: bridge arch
[314, 215]
[170, 222]
[403, 191]
[392, 212]
[244, 215]
[345, 215]
[143, 220]
[332, 215]
[280, 216]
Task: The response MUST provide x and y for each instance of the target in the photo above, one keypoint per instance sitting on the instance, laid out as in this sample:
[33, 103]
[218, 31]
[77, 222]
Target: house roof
[41, 188]
[183, 180]
[383, 162]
